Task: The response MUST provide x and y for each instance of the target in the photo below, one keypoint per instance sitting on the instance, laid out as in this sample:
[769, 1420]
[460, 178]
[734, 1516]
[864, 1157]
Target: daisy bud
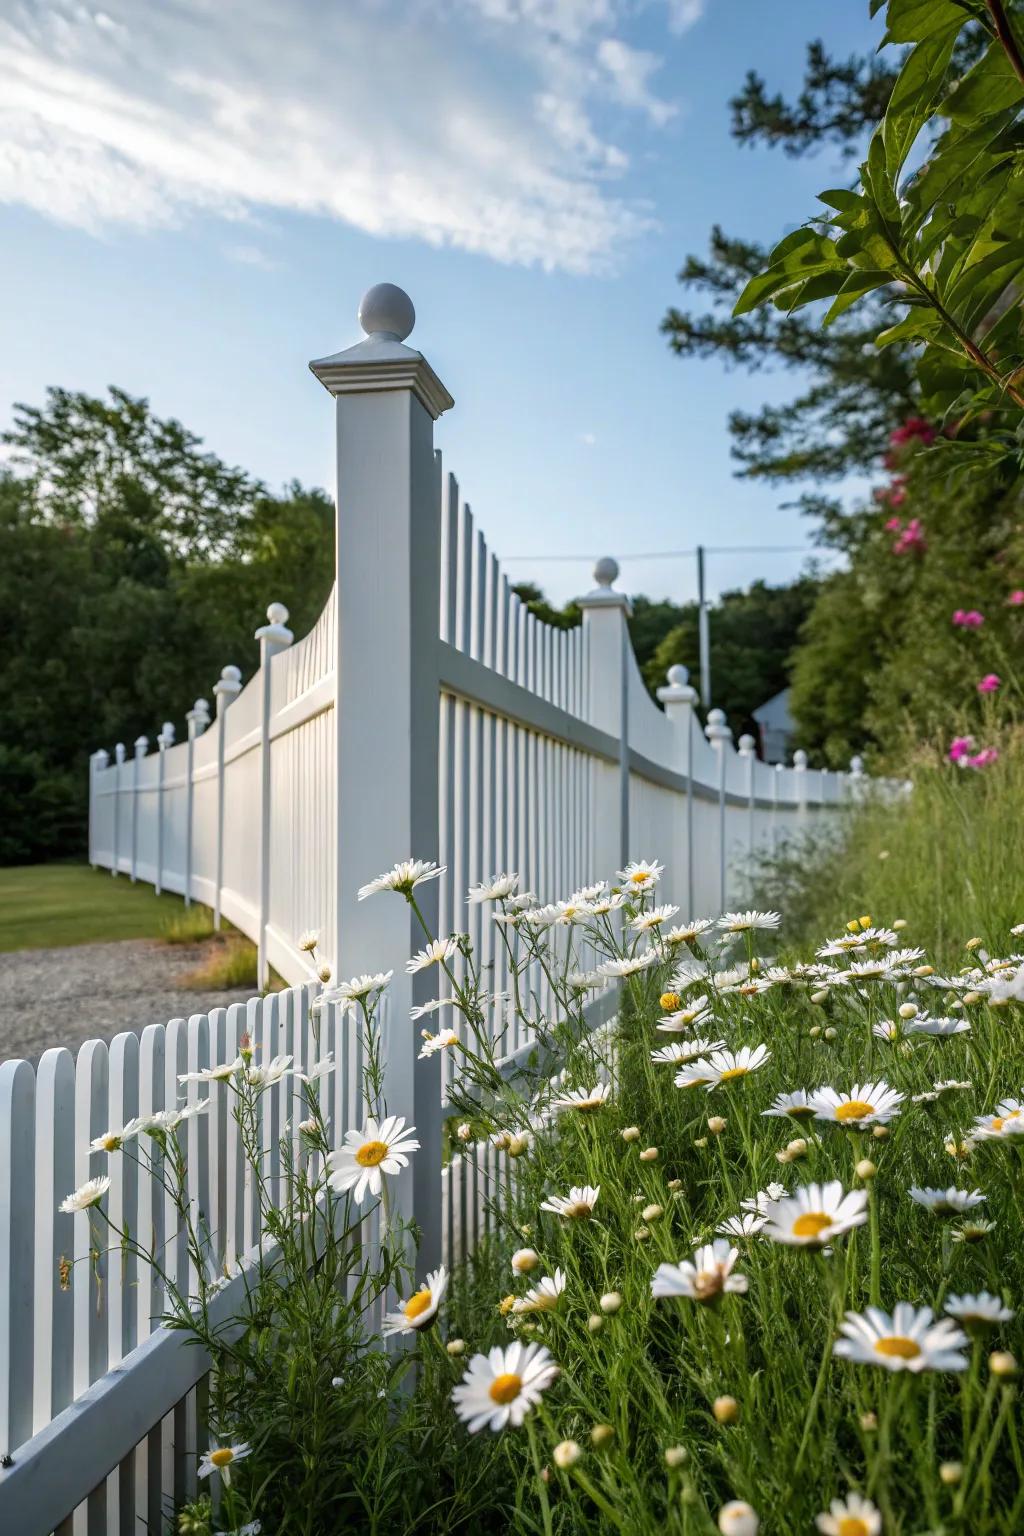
[675, 1184]
[881, 1133]
[726, 1410]
[924, 970]
[974, 943]
[951, 1472]
[595, 1322]
[755, 966]
[501, 1141]
[601, 1435]
[631, 1133]
[517, 1145]
[899, 925]
[525, 1259]
[797, 1148]
[676, 1456]
[611, 1301]
[831, 1034]
[700, 1141]
[783, 1157]
[738, 1519]
[908, 1010]
[819, 997]
[866, 1169]
[464, 1131]
[717, 1124]
[652, 1212]
[869, 1422]
[668, 1002]
[324, 974]
[972, 997]
[649, 1155]
[456, 1347]
[642, 1234]
[566, 1454]
[1002, 1363]
[883, 853]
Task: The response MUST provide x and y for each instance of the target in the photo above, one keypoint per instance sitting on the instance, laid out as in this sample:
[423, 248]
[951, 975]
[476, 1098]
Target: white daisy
[403, 877]
[501, 1387]
[221, 1074]
[793, 1106]
[586, 1100]
[687, 933]
[814, 1214]
[112, 1141]
[745, 986]
[865, 1104]
[222, 1459]
[87, 1194]
[584, 981]
[760, 1202]
[704, 1278]
[947, 1202]
[434, 1006]
[980, 1311]
[654, 918]
[748, 922]
[909, 1340]
[887, 1029]
[1008, 1120]
[852, 1516]
[675, 1023]
[308, 940]
[442, 1041]
[691, 1050]
[746, 1225]
[266, 1076]
[629, 965]
[641, 875]
[542, 1297]
[923, 1025]
[726, 1066]
[368, 1154]
[699, 1074]
[577, 1205]
[323, 1068]
[434, 953]
[357, 987]
[420, 1309]
[602, 905]
[590, 893]
[573, 912]
[497, 888]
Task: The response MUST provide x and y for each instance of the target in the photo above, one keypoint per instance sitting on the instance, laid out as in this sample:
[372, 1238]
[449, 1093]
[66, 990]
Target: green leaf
[919, 325]
[879, 184]
[917, 89]
[908, 21]
[842, 199]
[989, 87]
[802, 255]
[982, 282]
[856, 285]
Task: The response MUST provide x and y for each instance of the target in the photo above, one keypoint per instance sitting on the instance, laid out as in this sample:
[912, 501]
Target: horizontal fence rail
[430, 714]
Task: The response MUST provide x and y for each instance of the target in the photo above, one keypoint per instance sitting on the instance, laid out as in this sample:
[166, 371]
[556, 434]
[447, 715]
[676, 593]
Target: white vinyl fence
[427, 713]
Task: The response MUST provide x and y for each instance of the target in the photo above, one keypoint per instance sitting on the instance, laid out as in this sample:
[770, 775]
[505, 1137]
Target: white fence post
[225, 691]
[198, 719]
[747, 750]
[856, 779]
[800, 770]
[720, 736]
[97, 762]
[273, 636]
[118, 765]
[679, 700]
[606, 637]
[163, 741]
[141, 748]
[388, 554]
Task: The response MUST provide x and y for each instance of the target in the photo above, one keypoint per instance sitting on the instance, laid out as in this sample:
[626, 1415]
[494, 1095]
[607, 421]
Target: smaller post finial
[386, 312]
[678, 676]
[856, 766]
[119, 752]
[800, 759]
[231, 674]
[167, 733]
[277, 613]
[747, 745]
[141, 746]
[717, 729]
[605, 571]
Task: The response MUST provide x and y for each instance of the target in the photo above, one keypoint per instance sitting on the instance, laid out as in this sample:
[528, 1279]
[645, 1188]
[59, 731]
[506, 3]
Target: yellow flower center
[371, 1153]
[505, 1388]
[997, 1122]
[811, 1223]
[581, 1210]
[668, 1002]
[855, 1109]
[417, 1305]
[640, 877]
[897, 1347]
[852, 1525]
[731, 1072]
[223, 1457]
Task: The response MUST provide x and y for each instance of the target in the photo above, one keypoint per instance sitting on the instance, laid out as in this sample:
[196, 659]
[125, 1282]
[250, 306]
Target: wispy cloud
[469, 123]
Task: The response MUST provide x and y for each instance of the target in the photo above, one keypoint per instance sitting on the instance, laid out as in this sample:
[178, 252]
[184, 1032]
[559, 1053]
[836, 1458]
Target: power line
[678, 554]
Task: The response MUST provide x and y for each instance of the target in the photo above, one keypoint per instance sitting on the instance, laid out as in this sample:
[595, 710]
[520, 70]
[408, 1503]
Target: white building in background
[775, 727]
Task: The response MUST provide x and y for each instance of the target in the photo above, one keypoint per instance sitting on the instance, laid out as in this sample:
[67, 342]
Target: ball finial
[386, 311]
[277, 613]
[678, 676]
[231, 674]
[799, 758]
[605, 571]
[716, 717]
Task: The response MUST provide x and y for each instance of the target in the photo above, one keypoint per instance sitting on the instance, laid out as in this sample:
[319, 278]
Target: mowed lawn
[48, 906]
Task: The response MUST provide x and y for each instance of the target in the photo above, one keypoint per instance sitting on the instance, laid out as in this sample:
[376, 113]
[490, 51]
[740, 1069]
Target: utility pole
[703, 631]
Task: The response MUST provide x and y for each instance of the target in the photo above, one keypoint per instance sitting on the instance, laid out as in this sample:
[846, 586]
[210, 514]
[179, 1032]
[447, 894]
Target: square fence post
[118, 765]
[141, 748]
[225, 690]
[163, 741]
[720, 736]
[388, 552]
[274, 636]
[606, 705]
[680, 701]
[99, 760]
[198, 718]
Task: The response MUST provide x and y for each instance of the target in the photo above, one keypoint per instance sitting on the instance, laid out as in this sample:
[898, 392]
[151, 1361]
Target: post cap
[386, 312]
[101, 757]
[277, 626]
[677, 690]
[167, 732]
[201, 707]
[119, 752]
[277, 613]
[716, 729]
[856, 765]
[141, 745]
[231, 674]
[747, 744]
[678, 675]
[605, 571]
[603, 595]
[800, 758]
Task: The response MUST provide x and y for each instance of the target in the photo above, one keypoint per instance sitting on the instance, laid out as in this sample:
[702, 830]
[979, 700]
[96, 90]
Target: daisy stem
[876, 1247]
[826, 1356]
[603, 1504]
[535, 1454]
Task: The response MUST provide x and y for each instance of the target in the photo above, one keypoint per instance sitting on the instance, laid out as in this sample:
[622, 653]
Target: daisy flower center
[505, 1388]
[418, 1304]
[856, 1109]
[998, 1122]
[895, 1345]
[371, 1153]
[222, 1458]
[730, 1073]
[800, 1111]
[669, 1001]
[850, 1525]
[811, 1223]
[639, 878]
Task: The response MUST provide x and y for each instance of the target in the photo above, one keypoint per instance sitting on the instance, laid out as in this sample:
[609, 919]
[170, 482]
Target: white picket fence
[427, 713]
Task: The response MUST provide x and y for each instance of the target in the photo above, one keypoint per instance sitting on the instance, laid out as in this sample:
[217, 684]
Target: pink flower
[912, 539]
[983, 758]
[1016, 599]
[989, 683]
[915, 426]
[968, 618]
[894, 525]
[960, 747]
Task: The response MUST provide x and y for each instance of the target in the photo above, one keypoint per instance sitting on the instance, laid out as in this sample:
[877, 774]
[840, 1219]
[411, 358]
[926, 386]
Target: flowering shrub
[756, 1266]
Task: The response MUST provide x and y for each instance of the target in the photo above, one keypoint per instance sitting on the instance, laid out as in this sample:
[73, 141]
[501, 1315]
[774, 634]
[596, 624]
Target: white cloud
[469, 123]
[683, 13]
[251, 256]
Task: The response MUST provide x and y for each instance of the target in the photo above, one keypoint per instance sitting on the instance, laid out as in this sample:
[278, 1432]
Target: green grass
[48, 906]
[227, 963]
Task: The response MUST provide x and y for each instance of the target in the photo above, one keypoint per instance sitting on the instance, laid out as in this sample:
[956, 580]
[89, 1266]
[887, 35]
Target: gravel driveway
[64, 996]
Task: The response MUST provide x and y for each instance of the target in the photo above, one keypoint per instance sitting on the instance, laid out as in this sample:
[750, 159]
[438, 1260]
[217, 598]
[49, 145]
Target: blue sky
[194, 196]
